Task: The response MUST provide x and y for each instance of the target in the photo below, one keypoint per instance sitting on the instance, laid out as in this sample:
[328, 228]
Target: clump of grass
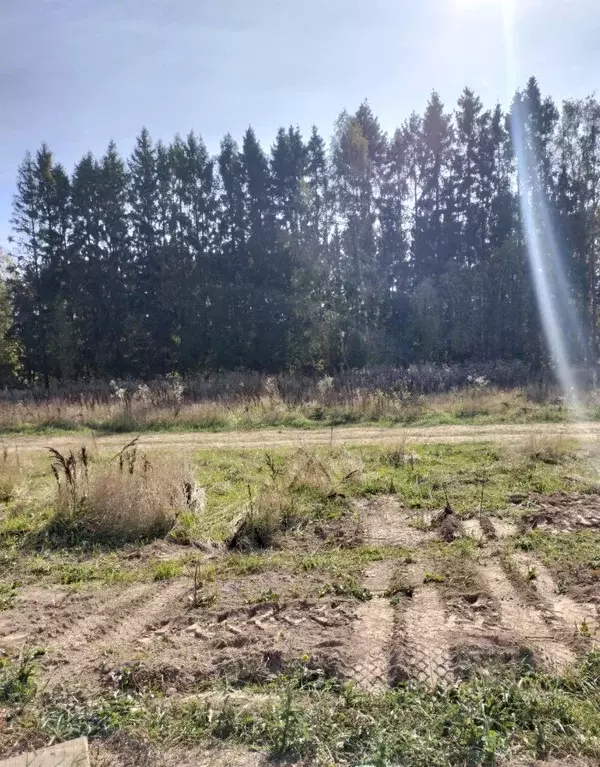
[17, 678]
[270, 513]
[265, 597]
[324, 474]
[310, 485]
[10, 475]
[164, 571]
[395, 456]
[549, 450]
[124, 499]
[433, 578]
[348, 587]
[8, 595]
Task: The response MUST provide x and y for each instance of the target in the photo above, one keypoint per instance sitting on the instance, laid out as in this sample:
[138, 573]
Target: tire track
[523, 620]
[385, 523]
[573, 615]
[491, 529]
[93, 627]
[373, 631]
[158, 607]
[133, 613]
[422, 635]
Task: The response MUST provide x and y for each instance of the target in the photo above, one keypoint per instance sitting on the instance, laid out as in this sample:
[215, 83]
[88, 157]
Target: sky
[77, 73]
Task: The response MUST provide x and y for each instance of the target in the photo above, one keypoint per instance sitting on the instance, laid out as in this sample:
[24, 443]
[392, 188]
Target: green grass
[456, 473]
[164, 571]
[312, 487]
[308, 717]
[17, 678]
[454, 566]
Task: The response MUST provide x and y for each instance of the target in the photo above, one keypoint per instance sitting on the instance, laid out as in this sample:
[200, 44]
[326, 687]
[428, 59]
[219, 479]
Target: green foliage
[305, 717]
[164, 571]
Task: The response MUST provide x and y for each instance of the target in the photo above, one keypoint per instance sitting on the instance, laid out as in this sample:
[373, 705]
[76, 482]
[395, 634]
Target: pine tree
[41, 222]
[148, 329]
[231, 302]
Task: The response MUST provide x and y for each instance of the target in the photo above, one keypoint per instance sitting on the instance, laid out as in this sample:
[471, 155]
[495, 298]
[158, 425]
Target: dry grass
[126, 498]
[325, 473]
[301, 488]
[550, 450]
[10, 475]
[264, 407]
[132, 506]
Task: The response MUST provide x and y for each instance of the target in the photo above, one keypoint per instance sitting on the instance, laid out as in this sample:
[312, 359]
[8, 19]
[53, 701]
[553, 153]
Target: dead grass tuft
[550, 450]
[126, 498]
[324, 473]
[10, 475]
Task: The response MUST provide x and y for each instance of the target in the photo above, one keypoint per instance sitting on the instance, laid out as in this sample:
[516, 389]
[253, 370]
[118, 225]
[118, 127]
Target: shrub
[271, 512]
[310, 485]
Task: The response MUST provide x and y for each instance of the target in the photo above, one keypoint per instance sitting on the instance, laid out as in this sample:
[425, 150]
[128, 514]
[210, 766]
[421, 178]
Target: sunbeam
[559, 318]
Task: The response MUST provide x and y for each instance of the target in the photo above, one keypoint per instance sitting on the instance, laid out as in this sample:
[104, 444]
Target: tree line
[373, 249]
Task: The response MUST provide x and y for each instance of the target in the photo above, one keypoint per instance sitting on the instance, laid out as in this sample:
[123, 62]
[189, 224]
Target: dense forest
[372, 249]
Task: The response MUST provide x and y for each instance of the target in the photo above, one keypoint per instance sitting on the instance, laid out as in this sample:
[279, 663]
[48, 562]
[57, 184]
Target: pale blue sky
[76, 73]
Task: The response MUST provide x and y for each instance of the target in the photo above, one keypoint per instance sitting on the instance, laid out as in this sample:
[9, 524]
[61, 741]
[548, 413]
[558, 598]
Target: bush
[310, 485]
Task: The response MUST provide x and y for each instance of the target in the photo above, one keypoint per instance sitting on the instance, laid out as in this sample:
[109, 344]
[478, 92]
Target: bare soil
[489, 528]
[563, 511]
[525, 622]
[373, 630]
[249, 629]
[569, 615]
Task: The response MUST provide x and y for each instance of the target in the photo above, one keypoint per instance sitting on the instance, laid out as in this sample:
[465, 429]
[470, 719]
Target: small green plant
[8, 595]
[71, 574]
[420, 523]
[524, 543]
[348, 588]
[264, 597]
[531, 574]
[164, 571]
[433, 578]
[585, 630]
[17, 683]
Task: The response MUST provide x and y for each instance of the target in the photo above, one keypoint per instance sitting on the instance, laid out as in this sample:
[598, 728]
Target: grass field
[385, 603]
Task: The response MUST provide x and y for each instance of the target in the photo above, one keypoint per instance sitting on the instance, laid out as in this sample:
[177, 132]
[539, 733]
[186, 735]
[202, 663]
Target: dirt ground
[252, 628]
[410, 622]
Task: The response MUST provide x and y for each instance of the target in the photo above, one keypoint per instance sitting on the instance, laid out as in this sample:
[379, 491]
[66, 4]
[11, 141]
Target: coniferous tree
[377, 251]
